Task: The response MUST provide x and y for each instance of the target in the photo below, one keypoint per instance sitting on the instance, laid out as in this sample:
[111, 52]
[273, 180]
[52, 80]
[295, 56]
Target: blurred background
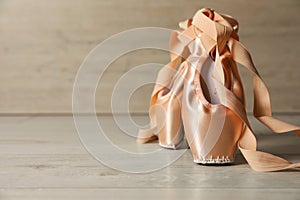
[43, 44]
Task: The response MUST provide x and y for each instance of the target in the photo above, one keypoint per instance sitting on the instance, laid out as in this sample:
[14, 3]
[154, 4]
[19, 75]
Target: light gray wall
[43, 43]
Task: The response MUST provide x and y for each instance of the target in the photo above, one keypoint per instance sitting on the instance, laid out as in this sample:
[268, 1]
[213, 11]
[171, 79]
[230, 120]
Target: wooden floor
[41, 157]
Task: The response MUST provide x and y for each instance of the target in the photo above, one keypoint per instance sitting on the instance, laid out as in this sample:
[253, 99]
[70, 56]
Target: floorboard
[42, 158]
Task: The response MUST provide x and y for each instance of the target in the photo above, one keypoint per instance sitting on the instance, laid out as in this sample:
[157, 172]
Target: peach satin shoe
[211, 129]
[168, 114]
[165, 110]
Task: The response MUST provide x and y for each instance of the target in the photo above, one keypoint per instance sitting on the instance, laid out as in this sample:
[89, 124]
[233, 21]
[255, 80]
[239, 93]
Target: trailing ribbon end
[265, 162]
[146, 135]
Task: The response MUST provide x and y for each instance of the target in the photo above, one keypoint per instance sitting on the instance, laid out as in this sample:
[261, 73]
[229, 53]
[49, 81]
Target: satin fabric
[212, 130]
[168, 113]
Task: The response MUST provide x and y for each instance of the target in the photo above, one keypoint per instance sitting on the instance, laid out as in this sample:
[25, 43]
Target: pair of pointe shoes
[203, 101]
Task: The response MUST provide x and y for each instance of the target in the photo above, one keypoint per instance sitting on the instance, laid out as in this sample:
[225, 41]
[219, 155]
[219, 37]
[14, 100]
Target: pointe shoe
[211, 129]
[168, 113]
